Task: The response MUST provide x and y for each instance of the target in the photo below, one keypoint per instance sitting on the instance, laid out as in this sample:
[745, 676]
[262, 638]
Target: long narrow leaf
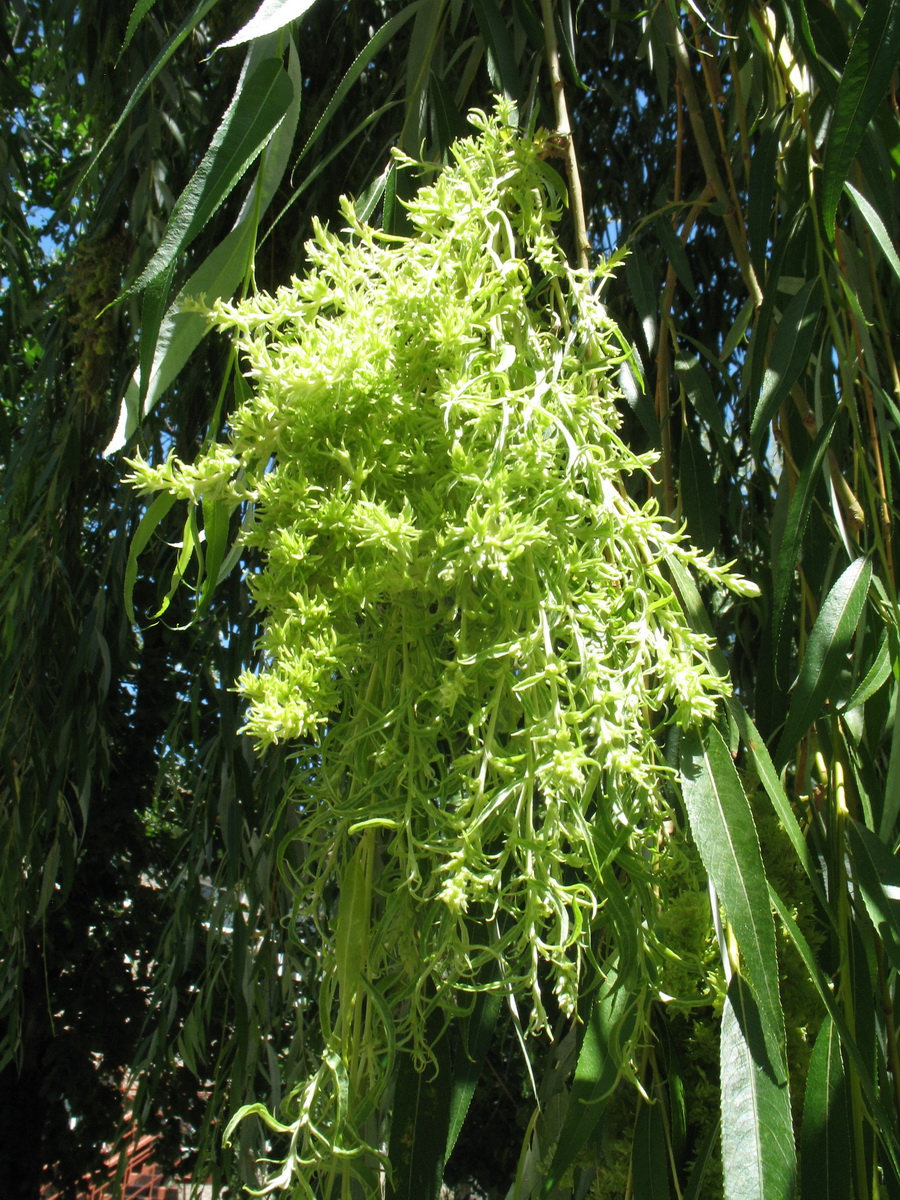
[768, 777]
[419, 1124]
[219, 275]
[479, 1029]
[190, 22]
[758, 1154]
[826, 652]
[722, 826]
[258, 106]
[148, 525]
[876, 226]
[649, 1156]
[867, 74]
[877, 871]
[791, 349]
[884, 1124]
[795, 526]
[825, 1143]
[271, 16]
[603, 1051]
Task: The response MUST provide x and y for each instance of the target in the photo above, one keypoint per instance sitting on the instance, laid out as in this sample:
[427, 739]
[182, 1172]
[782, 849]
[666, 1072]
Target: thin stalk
[708, 158]
[564, 133]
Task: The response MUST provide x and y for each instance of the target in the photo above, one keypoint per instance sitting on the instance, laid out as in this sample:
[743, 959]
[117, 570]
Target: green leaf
[763, 187]
[864, 83]
[791, 349]
[140, 10]
[352, 929]
[419, 1124]
[147, 527]
[877, 872]
[676, 254]
[425, 38]
[696, 382]
[478, 1030]
[183, 31]
[789, 549]
[875, 678]
[825, 1142]
[604, 1049]
[48, 880]
[258, 106]
[704, 1159]
[883, 1123]
[826, 653]
[722, 826]
[699, 501]
[216, 523]
[644, 295]
[736, 333]
[649, 1155]
[499, 46]
[360, 64]
[771, 782]
[876, 226]
[218, 276]
[758, 1154]
[252, 117]
[271, 16]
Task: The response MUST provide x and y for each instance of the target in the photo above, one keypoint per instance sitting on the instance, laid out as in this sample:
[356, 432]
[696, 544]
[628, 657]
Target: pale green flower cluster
[464, 610]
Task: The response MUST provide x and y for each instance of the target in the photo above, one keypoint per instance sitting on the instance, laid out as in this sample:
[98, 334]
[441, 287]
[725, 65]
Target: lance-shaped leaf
[826, 652]
[789, 549]
[649, 1156]
[259, 104]
[419, 1124]
[190, 22]
[867, 74]
[271, 16]
[768, 777]
[603, 1051]
[758, 1155]
[722, 826]
[883, 1124]
[791, 349]
[219, 275]
[825, 1142]
[876, 226]
[477, 1032]
[877, 871]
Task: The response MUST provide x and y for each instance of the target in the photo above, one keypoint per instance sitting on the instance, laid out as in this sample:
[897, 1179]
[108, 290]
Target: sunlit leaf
[876, 226]
[758, 1154]
[826, 653]
[877, 871]
[722, 826]
[271, 16]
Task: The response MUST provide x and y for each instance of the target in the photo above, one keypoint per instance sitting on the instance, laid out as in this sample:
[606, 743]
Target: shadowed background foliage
[747, 156]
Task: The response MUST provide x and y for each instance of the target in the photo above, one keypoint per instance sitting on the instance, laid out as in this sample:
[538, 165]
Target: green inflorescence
[464, 612]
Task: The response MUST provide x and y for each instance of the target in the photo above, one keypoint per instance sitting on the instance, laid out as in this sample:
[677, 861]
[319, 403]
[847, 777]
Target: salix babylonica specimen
[465, 615]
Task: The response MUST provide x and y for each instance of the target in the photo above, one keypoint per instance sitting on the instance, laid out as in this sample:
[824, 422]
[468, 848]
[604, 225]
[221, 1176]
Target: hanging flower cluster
[465, 613]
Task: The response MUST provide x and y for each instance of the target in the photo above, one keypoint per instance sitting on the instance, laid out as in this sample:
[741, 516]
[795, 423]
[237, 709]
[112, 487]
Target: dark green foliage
[749, 161]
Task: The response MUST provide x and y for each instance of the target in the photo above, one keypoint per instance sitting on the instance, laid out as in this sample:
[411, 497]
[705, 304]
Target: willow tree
[736, 952]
